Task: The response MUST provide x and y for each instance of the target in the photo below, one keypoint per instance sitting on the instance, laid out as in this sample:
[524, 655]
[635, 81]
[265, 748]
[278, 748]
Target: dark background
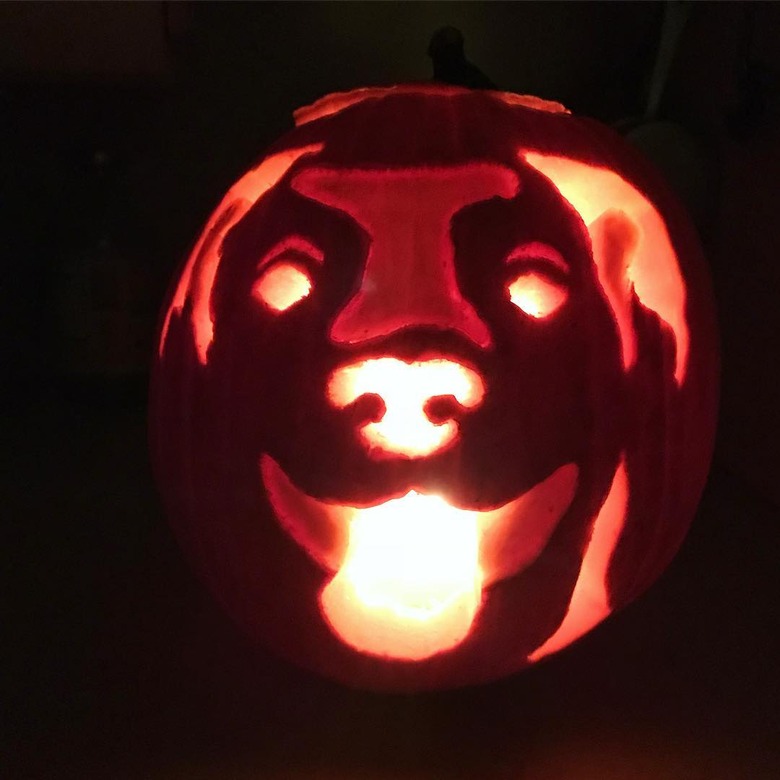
[122, 125]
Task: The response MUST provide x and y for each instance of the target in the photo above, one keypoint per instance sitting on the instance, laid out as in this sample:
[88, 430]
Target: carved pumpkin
[436, 388]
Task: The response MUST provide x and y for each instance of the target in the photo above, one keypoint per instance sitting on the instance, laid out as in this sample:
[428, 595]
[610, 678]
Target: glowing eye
[282, 286]
[536, 294]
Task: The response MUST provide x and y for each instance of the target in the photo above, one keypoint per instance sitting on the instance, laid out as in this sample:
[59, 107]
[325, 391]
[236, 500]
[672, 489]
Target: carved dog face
[410, 402]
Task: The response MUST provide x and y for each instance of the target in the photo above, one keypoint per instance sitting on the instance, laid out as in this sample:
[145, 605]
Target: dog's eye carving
[282, 285]
[537, 282]
[536, 294]
[284, 277]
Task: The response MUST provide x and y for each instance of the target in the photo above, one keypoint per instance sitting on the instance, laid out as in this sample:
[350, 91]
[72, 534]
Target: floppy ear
[633, 249]
[192, 296]
[638, 271]
[614, 238]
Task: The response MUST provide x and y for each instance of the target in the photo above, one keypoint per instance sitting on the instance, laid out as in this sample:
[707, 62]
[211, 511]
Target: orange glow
[338, 101]
[282, 286]
[410, 572]
[293, 245]
[197, 278]
[589, 603]
[531, 101]
[614, 239]
[319, 527]
[411, 562]
[513, 536]
[652, 268]
[405, 388]
[536, 295]
[538, 250]
[409, 276]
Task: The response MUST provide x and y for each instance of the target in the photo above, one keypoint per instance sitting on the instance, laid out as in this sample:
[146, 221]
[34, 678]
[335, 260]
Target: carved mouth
[410, 571]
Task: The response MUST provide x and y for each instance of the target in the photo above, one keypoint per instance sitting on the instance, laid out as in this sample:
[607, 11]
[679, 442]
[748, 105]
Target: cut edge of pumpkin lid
[338, 101]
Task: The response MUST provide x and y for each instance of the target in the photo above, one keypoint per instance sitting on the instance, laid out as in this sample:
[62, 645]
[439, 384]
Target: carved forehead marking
[440, 191]
[407, 213]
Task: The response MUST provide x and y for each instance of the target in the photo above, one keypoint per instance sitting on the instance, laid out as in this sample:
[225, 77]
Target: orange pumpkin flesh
[436, 387]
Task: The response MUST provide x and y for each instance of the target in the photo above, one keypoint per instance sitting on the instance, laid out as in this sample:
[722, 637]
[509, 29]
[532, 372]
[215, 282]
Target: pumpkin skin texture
[436, 389]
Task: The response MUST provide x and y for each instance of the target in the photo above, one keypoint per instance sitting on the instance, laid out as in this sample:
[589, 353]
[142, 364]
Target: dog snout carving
[421, 401]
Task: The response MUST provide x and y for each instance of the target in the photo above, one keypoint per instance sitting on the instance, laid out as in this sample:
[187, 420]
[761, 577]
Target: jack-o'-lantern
[436, 388]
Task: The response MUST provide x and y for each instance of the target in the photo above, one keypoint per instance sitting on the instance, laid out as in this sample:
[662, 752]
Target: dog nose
[421, 402]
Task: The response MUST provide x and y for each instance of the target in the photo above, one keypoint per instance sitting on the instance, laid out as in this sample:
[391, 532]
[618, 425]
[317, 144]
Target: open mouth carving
[410, 571]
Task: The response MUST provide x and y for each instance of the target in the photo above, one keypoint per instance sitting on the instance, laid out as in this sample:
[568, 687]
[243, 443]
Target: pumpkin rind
[410, 211]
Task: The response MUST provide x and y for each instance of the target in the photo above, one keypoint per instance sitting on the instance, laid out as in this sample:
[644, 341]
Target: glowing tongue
[410, 585]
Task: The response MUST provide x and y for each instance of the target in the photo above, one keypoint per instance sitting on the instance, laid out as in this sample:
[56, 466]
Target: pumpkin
[435, 390]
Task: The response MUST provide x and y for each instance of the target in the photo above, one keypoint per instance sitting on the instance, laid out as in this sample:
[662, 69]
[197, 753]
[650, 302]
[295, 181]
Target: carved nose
[420, 402]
